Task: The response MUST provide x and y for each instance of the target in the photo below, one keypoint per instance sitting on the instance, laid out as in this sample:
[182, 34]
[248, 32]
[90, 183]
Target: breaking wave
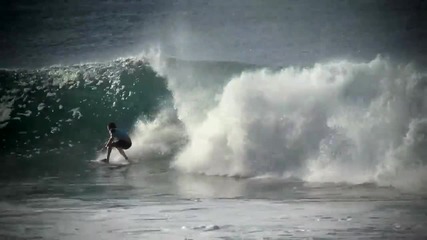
[337, 121]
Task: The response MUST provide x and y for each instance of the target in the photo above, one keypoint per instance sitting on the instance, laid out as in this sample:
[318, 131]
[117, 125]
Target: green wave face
[58, 115]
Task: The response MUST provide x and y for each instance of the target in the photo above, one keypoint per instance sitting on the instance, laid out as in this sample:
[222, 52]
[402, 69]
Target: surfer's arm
[109, 142]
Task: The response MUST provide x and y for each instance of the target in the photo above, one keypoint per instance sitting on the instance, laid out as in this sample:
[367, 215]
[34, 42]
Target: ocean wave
[59, 112]
[337, 121]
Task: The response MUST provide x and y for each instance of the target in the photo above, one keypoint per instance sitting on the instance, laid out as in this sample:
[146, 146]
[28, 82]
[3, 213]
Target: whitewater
[254, 120]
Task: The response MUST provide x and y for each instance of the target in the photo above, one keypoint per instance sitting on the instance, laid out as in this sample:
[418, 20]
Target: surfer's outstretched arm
[109, 148]
[108, 143]
[103, 146]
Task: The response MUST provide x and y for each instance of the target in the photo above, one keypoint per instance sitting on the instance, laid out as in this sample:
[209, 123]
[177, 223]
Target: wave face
[339, 121]
[57, 116]
[54, 119]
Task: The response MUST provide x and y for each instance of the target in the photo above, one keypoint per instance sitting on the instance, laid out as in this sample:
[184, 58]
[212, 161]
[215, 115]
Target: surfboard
[101, 162]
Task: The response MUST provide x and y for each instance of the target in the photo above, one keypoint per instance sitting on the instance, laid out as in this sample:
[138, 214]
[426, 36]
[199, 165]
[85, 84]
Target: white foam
[41, 106]
[5, 111]
[27, 113]
[336, 121]
[158, 138]
[76, 112]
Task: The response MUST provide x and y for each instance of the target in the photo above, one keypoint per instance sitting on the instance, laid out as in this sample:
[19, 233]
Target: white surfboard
[111, 164]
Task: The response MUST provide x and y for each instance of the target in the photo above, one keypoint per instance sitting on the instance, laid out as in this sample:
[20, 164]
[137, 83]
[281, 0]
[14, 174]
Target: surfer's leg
[122, 152]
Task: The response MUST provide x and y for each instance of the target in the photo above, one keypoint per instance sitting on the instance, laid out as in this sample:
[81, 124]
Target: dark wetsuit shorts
[122, 144]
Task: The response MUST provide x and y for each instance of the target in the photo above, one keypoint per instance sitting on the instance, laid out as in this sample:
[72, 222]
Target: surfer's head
[111, 125]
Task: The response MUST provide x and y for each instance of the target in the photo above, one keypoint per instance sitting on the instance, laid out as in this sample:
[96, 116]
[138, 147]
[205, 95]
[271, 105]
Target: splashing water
[334, 122]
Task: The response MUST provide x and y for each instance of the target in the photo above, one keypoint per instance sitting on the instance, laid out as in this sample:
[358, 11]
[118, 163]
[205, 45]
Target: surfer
[118, 139]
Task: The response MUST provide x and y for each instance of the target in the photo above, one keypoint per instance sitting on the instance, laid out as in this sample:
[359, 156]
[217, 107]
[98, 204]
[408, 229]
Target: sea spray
[337, 121]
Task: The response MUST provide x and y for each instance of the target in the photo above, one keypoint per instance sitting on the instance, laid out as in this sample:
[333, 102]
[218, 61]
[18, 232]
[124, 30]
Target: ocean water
[249, 119]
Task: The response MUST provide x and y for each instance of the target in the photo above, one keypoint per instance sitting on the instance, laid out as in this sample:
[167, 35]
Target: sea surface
[249, 119]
